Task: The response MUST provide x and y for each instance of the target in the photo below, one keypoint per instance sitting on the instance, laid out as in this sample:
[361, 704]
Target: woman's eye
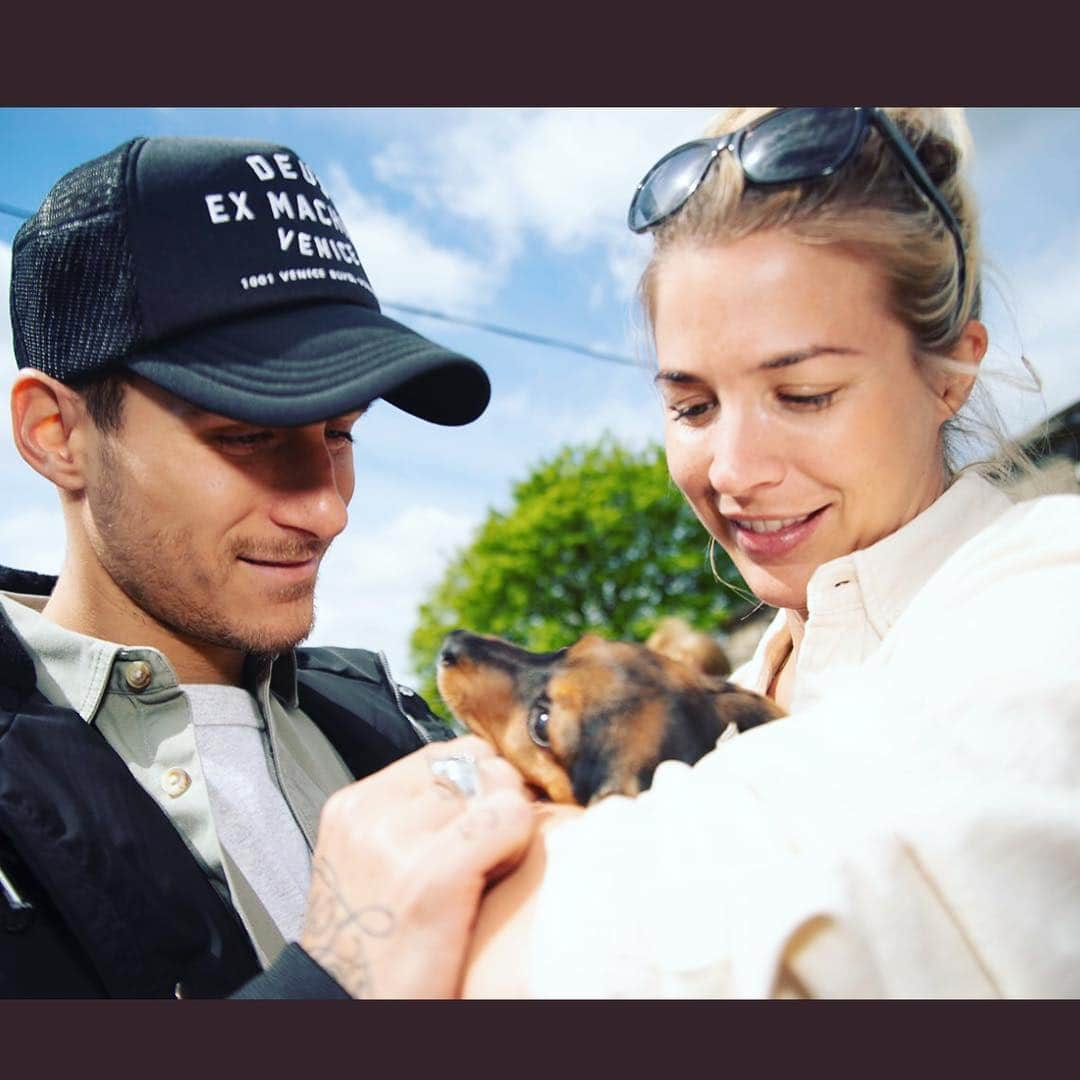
[807, 401]
[537, 725]
[690, 412]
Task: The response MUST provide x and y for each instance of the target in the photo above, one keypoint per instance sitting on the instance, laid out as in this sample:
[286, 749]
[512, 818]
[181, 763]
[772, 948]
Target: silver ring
[458, 773]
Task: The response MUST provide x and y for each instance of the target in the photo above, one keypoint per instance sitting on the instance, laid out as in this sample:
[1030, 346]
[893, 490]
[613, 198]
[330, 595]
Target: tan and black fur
[608, 711]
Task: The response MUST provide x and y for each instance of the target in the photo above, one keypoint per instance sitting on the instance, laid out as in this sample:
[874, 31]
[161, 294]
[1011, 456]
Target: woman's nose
[745, 453]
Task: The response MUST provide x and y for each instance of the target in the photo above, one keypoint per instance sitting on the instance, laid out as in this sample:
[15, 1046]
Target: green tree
[598, 539]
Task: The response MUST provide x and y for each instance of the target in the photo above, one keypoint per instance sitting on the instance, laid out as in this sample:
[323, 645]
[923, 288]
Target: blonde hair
[870, 207]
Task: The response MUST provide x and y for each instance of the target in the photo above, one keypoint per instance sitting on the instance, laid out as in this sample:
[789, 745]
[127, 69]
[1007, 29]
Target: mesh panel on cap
[73, 307]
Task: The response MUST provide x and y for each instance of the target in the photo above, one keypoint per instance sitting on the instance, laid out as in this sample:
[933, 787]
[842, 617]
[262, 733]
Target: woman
[913, 827]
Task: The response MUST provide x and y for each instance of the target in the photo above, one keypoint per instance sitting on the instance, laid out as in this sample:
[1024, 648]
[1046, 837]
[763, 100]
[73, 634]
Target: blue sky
[516, 217]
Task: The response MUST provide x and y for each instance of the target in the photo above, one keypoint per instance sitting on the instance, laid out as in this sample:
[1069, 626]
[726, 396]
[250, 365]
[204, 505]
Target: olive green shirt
[132, 696]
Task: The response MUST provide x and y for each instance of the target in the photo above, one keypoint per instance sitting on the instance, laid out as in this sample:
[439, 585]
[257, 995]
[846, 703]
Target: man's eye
[340, 435]
[249, 438]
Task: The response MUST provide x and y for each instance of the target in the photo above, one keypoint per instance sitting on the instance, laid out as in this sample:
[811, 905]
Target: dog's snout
[453, 648]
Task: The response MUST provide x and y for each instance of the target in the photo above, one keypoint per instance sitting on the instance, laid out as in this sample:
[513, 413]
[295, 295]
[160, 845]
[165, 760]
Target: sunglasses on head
[784, 147]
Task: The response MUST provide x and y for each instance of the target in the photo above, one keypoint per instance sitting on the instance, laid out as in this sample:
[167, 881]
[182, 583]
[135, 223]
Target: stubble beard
[154, 568]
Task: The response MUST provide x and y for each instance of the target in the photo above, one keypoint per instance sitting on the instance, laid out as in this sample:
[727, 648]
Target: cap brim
[304, 364]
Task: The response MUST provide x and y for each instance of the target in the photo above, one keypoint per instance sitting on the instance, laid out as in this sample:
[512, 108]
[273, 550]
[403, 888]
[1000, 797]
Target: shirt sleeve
[914, 834]
[293, 975]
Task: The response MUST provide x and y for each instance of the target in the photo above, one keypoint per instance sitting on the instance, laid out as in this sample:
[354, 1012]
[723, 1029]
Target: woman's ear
[48, 422]
[956, 384]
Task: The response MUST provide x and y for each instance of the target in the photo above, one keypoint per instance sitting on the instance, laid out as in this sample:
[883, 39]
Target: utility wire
[536, 339]
[491, 328]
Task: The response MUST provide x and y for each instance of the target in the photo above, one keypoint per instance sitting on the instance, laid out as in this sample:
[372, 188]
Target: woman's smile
[774, 537]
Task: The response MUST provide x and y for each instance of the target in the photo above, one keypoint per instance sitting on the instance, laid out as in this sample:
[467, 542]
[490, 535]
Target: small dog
[593, 719]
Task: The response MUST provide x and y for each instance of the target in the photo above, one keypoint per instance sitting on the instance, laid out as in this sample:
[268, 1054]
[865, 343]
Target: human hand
[399, 868]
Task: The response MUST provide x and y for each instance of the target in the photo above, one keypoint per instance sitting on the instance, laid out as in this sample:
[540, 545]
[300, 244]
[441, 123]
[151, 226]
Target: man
[177, 807]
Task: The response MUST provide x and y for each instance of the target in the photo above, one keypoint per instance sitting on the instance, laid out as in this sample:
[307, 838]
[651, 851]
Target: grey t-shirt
[254, 823]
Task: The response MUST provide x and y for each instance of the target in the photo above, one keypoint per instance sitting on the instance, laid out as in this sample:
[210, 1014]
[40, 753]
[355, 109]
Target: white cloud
[564, 174]
[7, 350]
[633, 422]
[403, 263]
[1048, 288]
[9, 459]
[626, 261]
[33, 539]
[1045, 324]
[372, 582]
[513, 406]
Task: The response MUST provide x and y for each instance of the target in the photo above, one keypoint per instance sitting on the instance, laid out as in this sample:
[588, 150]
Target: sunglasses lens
[671, 182]
[799, 144]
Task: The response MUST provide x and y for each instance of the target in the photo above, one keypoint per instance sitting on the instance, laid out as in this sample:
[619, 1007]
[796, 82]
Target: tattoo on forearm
[334, 934]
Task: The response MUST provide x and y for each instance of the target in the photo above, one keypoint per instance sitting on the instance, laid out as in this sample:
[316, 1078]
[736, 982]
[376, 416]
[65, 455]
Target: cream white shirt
[912, 829]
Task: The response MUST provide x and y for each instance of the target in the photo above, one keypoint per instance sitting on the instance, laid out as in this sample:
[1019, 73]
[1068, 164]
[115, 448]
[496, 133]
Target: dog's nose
[453, 648]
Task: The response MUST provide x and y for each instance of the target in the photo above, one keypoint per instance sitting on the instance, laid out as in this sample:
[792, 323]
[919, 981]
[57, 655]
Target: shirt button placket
[174, 782]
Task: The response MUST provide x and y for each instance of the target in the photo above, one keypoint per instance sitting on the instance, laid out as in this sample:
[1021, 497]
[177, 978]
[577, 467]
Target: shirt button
[175, 782]
[138, 675]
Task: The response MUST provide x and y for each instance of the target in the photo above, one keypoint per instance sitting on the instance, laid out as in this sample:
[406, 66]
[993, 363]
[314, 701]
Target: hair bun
[940, 157]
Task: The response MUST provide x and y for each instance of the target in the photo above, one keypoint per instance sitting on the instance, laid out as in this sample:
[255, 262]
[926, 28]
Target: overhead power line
[521, 335]
[491, 328]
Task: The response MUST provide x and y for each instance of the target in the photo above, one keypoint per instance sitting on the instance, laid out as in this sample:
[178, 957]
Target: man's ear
[48, 423]
[956, 385]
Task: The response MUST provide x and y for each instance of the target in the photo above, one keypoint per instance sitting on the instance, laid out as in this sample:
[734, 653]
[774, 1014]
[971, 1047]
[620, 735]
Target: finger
[492, 831]
[493, 774]
[404, 802]
[490, 774]
[466, 744]
[418, 802]
[411, 774]
[500, 773]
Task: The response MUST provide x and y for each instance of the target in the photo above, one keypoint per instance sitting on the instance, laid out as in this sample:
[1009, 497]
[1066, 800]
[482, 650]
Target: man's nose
[746, 453]
[311, 493]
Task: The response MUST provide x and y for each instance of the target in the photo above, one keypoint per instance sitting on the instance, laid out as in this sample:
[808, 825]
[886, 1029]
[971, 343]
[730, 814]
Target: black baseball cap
[220, 270]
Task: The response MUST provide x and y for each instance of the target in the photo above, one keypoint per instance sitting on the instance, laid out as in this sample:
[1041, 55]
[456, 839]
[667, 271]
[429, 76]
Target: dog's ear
[588, 640]
[694, 724]
[717, 685]
[613, 761]
[743, 708]
[594, 772]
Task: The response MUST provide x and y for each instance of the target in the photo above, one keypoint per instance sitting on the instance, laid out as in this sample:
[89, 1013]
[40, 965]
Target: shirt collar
[884, 578]
[73, 670]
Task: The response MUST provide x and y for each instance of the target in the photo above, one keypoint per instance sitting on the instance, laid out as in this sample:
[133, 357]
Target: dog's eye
[538, 725]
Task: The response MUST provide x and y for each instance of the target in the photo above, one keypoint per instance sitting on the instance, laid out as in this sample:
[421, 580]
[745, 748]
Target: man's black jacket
[99, 896]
